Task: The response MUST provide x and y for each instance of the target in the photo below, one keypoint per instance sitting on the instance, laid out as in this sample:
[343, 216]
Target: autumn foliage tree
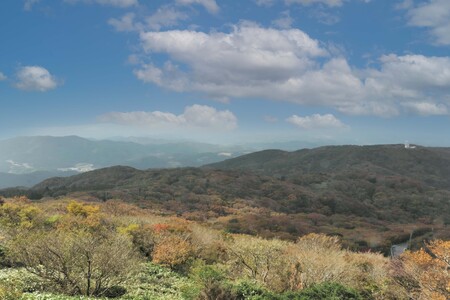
[19, 213]
[173, 245]
[80, 253]
[428, 270]
[261, 260]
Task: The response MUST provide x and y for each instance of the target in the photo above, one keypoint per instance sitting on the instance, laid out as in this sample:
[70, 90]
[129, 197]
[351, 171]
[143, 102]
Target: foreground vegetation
[68, 249]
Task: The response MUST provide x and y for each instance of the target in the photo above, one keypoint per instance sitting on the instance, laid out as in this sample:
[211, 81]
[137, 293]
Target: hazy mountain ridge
[29, 179]
[357, 192]
[56, 155]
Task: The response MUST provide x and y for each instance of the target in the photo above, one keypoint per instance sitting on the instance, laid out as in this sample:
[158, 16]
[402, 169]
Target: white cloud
[426, 108]
[266, 3]
[325, 17]
[330, 3]
[405, 4]
[195, 116]
[326, 3]
[220, 61]
[316, 121]
[435, 15]
[288, 65]
[80, 168]
[164, 17]
[28, 5]
[3, 76]
[150, 74]
[116, 3]
[411, 77]
[35, 78]
[285, 21]
[19, 168]
[210, 5]
[125, 23]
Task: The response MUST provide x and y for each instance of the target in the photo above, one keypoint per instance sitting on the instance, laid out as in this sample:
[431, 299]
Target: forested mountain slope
[370, 195]
[429, 166]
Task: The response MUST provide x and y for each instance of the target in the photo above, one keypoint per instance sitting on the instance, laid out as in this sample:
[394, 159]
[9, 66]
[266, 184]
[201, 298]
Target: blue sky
[324, 71]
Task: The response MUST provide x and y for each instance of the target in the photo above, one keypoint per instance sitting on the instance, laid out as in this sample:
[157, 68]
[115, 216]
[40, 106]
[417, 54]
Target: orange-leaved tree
[429, 268]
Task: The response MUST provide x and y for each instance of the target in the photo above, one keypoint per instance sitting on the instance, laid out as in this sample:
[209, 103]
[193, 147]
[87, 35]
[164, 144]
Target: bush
[115, 291]
[10, 289]
[76, 262]
[328, 291]
[250, 290]
[173, 251]
[212, 282]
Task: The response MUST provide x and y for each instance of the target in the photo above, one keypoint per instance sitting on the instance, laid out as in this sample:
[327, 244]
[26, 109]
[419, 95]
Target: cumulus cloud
[35, 78]
[222, 61]
[195, 116]
[210, 5]
[3, 76]
[316, 121]
[426, 108]
[125, 23]
[288, 65]
[434, 15]
[325, 17]
[324, 3]
[330, 3]
[285, 21]
[411, 77]
[28, 4]
[266, 3]
[116, 3]
[164, 17]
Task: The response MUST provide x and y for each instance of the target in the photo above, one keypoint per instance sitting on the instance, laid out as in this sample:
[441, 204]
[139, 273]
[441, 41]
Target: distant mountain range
[25, 161]
[371, 195]
[29, 179]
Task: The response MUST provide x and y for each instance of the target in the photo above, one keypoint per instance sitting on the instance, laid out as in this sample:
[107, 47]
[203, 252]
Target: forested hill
[370, 195]
[428, 166]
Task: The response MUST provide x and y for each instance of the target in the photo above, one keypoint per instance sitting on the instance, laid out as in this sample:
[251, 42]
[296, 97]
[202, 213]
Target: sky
[227, 71]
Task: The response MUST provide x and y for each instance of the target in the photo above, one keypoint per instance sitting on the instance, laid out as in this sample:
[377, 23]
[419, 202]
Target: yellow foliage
[430, 268]
[81, 215]
[260, 259]
[81, 209]
[320, 241]
[128, 230]
[19, 213]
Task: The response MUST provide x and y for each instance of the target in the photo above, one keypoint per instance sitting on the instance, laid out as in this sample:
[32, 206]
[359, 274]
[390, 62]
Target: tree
[76, 262]
[172, 250]
[429, 270]
[261, 260]
[19, 213]
[317, 258]
[79, 252]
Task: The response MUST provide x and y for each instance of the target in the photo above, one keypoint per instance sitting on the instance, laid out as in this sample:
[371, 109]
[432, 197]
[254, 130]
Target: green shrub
[249, 290]
[115, 292]
[328, 291]
[206, 273]
[213, 283]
